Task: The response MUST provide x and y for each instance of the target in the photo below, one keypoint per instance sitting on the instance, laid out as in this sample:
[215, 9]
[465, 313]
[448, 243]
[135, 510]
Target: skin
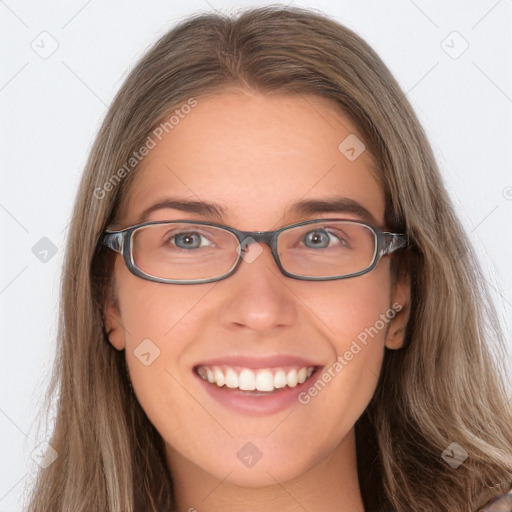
[255, 155]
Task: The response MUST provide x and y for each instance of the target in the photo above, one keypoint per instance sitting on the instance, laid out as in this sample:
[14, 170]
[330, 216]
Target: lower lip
[269, 403]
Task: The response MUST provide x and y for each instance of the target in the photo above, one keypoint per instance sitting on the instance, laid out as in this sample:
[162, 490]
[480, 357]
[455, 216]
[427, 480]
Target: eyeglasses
[189, 252]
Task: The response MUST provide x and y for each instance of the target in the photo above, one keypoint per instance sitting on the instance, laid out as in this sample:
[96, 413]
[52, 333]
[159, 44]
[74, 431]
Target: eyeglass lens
[187, 251]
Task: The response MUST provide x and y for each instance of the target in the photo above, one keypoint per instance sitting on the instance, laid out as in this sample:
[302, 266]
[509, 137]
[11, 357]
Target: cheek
[347, 309]
[161, 326]
[161, 323]
[155, 310]
[355, 316]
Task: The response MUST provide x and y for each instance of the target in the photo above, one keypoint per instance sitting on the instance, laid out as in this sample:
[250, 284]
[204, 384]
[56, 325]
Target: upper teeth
[246, 379]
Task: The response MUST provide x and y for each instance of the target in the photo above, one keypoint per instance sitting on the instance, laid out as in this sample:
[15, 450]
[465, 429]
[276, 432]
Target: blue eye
[189, 240]
[320, 239]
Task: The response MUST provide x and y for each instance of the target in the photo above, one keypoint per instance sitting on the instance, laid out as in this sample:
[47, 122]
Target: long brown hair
[444, 387]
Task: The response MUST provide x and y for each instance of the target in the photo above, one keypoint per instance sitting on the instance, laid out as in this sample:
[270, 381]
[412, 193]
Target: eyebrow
[334, 204]
[185, 205]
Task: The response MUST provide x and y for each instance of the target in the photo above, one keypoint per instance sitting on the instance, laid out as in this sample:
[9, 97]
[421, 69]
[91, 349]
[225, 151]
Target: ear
[112, 318]
[401, 304]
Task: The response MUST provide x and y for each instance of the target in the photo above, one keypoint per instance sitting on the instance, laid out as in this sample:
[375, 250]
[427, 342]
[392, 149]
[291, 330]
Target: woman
[267, 299]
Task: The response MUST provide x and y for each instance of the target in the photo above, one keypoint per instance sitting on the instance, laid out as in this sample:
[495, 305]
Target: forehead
[255, 155]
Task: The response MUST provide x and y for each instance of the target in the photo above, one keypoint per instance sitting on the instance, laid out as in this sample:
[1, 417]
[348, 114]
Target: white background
[51, 109]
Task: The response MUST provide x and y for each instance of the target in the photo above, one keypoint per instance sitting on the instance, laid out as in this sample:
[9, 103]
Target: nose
[257, 297]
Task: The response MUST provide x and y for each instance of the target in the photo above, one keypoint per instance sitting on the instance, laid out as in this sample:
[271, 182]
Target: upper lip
[254, 362]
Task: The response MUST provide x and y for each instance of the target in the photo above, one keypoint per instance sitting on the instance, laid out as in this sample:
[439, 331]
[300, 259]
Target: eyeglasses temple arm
[392, 242]
[114, 241]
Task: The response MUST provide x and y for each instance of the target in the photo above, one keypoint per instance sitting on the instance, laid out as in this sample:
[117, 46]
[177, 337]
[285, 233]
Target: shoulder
[501, 503]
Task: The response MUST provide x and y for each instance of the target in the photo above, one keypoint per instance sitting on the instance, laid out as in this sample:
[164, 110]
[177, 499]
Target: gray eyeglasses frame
[120, 241]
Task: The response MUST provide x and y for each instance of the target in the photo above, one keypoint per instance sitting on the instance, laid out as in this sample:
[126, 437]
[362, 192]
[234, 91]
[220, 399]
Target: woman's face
[256, 157]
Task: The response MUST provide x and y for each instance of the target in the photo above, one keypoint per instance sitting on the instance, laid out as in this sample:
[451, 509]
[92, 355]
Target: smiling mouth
[255, 381]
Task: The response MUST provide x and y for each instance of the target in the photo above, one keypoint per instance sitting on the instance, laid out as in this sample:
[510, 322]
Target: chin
[254, 467]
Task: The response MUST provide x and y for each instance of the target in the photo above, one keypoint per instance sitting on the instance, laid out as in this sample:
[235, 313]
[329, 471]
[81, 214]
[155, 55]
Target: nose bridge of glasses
[249, 237]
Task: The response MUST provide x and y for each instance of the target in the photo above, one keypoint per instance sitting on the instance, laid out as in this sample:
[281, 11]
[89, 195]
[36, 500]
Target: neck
[330, 484]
